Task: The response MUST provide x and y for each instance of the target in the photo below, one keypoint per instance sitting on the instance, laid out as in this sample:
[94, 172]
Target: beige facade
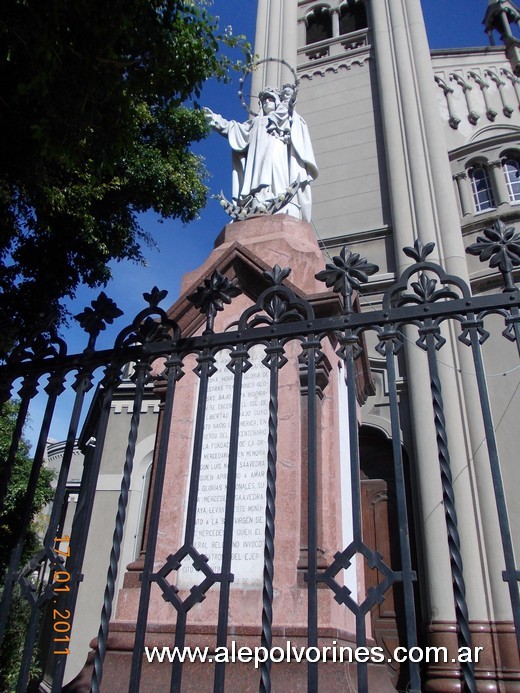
[419, 144]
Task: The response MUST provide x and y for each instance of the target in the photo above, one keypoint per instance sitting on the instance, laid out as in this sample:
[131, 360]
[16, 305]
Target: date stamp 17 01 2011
[61, 619]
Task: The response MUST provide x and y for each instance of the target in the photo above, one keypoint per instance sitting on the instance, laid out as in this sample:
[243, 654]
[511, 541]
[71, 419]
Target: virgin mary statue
[272, 155]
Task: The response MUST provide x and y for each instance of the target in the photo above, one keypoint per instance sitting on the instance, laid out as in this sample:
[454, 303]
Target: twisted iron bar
[27, 391]
[84, 507]
[54, 388]
[82, 385]
[450, 513]
[205, 368]
[311, 349]
[13, 570]
[173, 373]
[115, 552]
[349, 341]
[270, 511]
[408, 574]
[510, 575]
[238, 365]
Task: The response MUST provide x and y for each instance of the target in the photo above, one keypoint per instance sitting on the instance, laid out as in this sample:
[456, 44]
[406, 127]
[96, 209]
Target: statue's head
[288, 93]
[269, 99]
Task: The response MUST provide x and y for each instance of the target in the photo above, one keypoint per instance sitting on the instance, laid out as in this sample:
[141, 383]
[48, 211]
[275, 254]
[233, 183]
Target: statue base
[244, 250]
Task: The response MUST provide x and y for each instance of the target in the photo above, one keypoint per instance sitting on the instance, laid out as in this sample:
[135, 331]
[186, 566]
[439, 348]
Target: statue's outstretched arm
[216, 121]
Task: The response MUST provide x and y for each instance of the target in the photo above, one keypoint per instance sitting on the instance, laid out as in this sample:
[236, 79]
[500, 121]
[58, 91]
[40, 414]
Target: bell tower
[503, 17]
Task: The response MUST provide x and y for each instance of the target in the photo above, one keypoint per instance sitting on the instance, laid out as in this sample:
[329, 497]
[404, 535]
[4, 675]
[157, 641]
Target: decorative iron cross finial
[93, 320]
[212, 295]
[348, 272]
[501, 246]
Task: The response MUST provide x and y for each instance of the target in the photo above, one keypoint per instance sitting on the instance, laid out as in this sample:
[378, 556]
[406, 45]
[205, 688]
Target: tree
[95, 130]
[11, 519]
[12, 513]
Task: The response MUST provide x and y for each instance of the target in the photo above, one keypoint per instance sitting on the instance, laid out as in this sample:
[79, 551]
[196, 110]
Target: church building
[418, 153]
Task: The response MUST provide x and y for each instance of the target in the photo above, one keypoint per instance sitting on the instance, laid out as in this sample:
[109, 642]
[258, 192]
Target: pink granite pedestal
[244, 250]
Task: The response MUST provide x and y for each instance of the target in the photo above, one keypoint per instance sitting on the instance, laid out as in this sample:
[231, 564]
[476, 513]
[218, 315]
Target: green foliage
[12, 647]
[10, 523]
[12, 513]
[95, 129]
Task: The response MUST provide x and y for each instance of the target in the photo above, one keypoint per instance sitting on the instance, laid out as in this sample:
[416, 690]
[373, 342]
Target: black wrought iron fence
[425, 298]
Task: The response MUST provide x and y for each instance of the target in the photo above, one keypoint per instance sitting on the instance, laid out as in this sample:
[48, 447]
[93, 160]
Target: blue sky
[180, 248]
[455, 23]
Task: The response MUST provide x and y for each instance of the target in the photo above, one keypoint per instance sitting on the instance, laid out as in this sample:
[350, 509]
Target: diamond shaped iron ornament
[375, 561]
[197, 593]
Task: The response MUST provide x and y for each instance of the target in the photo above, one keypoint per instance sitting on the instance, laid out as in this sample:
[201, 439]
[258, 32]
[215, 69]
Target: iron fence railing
[425, 297]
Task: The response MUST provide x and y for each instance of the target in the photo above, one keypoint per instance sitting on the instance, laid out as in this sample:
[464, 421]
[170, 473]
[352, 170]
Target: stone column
[406, 181]
[453, 119]
[400, 42]
[498, 182]
[335, 22]
[424, 206]
[461, 178]
[506, 28]
[276, 37]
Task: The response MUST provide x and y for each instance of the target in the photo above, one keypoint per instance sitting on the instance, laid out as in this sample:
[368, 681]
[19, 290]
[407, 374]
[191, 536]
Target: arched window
[319, 25]
[352, 17]
[481, 188]
[512, 173]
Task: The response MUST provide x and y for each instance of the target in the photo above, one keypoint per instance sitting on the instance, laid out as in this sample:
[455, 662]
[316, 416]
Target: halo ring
[251, 67]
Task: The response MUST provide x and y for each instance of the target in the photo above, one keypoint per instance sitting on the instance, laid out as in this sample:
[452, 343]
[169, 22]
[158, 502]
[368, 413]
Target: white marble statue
[272, 153]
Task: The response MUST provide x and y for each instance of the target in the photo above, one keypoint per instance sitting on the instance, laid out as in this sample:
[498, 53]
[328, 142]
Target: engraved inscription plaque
[248, 529]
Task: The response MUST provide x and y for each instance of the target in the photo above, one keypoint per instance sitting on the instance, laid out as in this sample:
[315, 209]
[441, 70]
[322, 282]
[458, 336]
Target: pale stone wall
[340, 109]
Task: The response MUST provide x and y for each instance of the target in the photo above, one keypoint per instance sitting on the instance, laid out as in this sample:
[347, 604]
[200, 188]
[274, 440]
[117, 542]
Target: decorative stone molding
[453, 120]
[497, 669]
[335, 47]
[514, 81]
[355, 39]
[473, 116]
[127, 407]
[310, 74]
[484, 88]
[506, 109]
